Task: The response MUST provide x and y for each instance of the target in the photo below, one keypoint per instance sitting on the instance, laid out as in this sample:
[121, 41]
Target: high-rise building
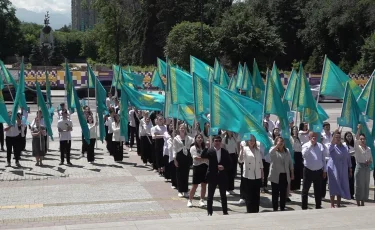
[84, 16]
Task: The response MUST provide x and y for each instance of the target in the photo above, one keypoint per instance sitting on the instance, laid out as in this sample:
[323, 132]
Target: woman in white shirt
[349, 144]
[91, 146]
[182, 159]
[169, 167]
[298, 160]
[231, 145]
[252, 175]
[304, 133]
[200, 167]
[117, 139]
[363, 159]
[145, 146]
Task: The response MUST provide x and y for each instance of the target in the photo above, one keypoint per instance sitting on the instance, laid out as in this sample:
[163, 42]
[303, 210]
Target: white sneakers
[201, 203]
[186, 195]
[241, 201]
[173, 187]
[230, 193]
[180, 194]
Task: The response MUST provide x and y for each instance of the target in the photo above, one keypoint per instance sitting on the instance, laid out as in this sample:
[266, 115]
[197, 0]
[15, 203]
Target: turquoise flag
[43, 107]
[124, 113]
[162, 67]
[247, 79]
[333, 81]
[81, 118]
[199, 67]
[181, 86]
[217, 71]
[224, 78]
[292, 84]
[8, 77]
[323, 116]
[238, 119]
[20, 100]
[232, 85]
[101, 106]
[275, 75]
[144, 101]
[121, 76]
[239, 78]
[201, 95]
[257, 93]
[365, 94]
[370, 105]
[156, 81]
[4, 117]
[90, 78]
[69, 88]
[48, 90]
[350, 112]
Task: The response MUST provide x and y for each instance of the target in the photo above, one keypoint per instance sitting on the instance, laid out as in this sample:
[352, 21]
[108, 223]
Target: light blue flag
[370, 105]
[162, 67]
[365, 94]
[156, 81]
[233, 84]
[292, 84]
[144, 101]
[46, 114]
[247, 83]
[257, 93]
[239, 78]
[124, 113]
[350, 112]
[275, 75]
[81, 118]
[199, 67]
[181, 87]
[201, 95]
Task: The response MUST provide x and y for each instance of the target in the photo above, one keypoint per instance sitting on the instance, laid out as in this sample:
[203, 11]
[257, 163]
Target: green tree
[30, 37]
[90, 45]
[71, 44]
[366, 64]
[243, 36]
[185, 40]
[9, 29]
[65, 29]
[36, 56]
[56, 57]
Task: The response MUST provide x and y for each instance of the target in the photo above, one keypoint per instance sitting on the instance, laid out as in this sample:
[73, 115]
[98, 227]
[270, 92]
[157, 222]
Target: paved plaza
[128, 195]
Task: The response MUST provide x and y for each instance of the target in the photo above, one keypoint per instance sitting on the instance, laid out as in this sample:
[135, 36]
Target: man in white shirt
[12, 139]
[108, 100]
[271, 124]
[65, 127]
[132, 126]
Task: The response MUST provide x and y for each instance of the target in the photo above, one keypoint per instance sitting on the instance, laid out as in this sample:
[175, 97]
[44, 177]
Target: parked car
[9, 93]
[83, 92]
[315, 92]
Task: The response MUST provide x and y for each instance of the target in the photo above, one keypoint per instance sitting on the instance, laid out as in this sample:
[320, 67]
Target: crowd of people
[173, 148]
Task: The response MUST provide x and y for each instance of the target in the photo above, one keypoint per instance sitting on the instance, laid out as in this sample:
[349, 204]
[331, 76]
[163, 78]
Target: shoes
[189, 204]
[69, 163]
[18, 164]
[230, 193]
[180, 194]
[241, 201]
[201, 203]
[173, 187]
[8, 165]
[37, 164]
[186, 195]
[40, 163]
[61, 163]
[288, 200]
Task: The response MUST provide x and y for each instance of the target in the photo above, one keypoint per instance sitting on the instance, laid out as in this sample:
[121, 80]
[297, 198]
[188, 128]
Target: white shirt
[362, 154]
[178, 145]
[297, 145]
[194, 153]
[253, 164]
[13, 131]
[271, 125]
[350, 149]
[109, 124]
[231, 146]
[60, 114]
[64, 124]
[327, 139]
[303, 137]
[116, 133]
[218, 154]
[131, 118]
[158, 130]
[108, 102]
[144, 129]
[92, 130]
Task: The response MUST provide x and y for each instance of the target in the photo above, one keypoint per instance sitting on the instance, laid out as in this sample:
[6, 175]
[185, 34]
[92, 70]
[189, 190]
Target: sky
[61, 6]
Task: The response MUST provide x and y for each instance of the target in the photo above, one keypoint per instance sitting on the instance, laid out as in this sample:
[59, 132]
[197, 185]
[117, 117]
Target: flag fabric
[201, 95]
[333, 81]
[370, 105]
[162, 67]
[20, 100]
[69, 88]
[232, 85]
[8, 77]
[81, 117]
[124, 113]
[224, 78]
[156, 81]
[247, 83]
[181, 86]
[350, 112]
[292, 83]
[101, 107]
[238, 119]
[90, 78]
[364, 96]
[217, 72]
[48, 90]
[45, 112]
[121, 76]
[257, 93]
[239, 78]
[4, 117]
[323, 116]
[116, 75]
[275, 75]
[199, 67]
[144, 101]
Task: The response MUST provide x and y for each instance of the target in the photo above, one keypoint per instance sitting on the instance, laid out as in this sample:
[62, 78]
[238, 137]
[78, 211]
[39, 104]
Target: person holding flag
[65, 127]
[38, 131]
[12, 139]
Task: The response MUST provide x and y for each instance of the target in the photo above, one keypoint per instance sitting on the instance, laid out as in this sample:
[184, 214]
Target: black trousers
[23, 140]
[132, 133]
[279, 190]
[2, 135]
[232, 173]
[266, 170]
[45, 142]
[84, 145]
[298, 172]
[222, 181]
[118, 150]
[167, 169]
[242, 185]
[315, 177]
[172, 172]
[65, 147]
[351, 179]
[146, 149]
[12, 143]
[90, 150]
[159, 144]
[182, 172]
[108, 139]
[324, 187]
[252, 194]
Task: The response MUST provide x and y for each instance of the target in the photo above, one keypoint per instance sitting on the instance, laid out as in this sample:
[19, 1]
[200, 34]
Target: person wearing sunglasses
[217, 174]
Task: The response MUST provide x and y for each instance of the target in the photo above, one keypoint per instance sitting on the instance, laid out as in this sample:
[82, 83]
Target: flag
[81, 117]
[239, 78]
[217, 72]
[124, 113]
[48, 90]
[4, 117]
[292, 83]
[201, 95]
[8, 77]
[101, 106]
[369, 140]
[277, 80]
[323, 116]
[364, 96]
[224, 78]
[20, 100]
[45, 112]
[238, 119]
[144, 101]
[90, 78]
[201, 68]
[258, 91]
[247, 79]
[333, 81]
[350, 112]
[370, 105]
[69, 88]
[181, 86]
[232, 85]
[156, 81]
[162, 67]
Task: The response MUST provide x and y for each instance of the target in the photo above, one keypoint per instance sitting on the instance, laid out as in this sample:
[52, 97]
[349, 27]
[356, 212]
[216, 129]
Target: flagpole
[65, 82]
[264, 99]
[97, 116]
[210, 101]
[38, 114]
[321, 78]
[45, 73]
[88, 85]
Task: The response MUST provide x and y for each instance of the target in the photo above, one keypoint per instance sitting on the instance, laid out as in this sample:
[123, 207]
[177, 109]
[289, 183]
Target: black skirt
[199, 173]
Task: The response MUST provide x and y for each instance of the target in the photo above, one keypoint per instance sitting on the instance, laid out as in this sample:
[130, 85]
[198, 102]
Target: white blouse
[144, 128]
[231, 146]
[92, 130]
[116, 133]
[303, 137]
[361, 155]
[178, 145]
[253, 164]
[195, 153]
[351, 149]
[297, 145]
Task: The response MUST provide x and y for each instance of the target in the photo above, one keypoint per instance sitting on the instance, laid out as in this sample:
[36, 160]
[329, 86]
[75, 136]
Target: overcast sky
[61, 6]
